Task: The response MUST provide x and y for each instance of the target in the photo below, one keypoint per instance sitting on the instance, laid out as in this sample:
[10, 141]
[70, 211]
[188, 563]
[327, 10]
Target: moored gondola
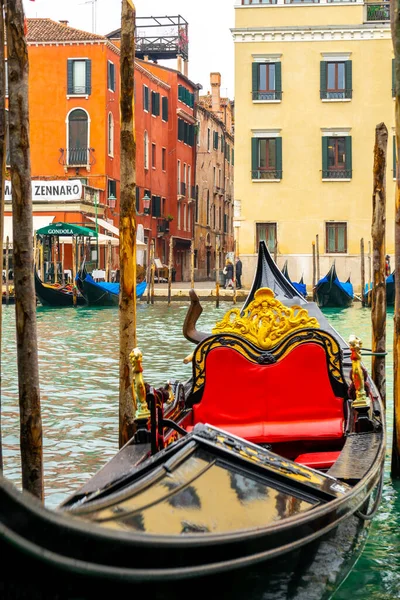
[102, 293]
[390, 291]
[273, 473]
[57, 295]
[300, 286]
[330, 292]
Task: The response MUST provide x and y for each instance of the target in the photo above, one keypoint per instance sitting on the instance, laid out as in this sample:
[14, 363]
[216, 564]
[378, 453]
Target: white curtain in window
[79, 77]
[110, 134]
[146, 150]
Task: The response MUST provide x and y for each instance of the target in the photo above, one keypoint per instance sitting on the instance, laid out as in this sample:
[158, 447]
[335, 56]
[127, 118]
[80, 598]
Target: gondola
[11, 299]
[102, 293]
[260, 473]
[390, 291]
[300, 286]
[57, 296]
[331, 292]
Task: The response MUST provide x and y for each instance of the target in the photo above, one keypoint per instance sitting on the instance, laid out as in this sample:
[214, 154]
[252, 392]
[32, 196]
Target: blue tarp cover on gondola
[344, 285]
[300, 287]
[113, 288]
[389, 279]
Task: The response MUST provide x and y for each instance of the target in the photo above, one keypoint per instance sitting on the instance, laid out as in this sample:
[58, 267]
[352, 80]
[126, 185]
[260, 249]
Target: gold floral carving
[266, 321]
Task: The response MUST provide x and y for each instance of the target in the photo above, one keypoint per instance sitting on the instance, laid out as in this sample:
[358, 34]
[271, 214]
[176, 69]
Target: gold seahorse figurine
[357, 374]
[138, 386]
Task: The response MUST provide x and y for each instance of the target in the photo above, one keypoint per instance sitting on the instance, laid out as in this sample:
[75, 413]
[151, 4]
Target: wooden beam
[378, 231]
[127, 224]
[25, 297]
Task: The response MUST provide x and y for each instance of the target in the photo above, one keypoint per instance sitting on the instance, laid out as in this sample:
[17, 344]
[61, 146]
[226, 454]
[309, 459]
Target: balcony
[336, 95]
[265, 96]
[337, 174]
[77, 157]
[377, 12]
[219, 190]
[162, 227]
[263, 174]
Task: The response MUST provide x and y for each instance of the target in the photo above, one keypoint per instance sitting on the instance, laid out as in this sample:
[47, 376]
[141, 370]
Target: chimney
[64, 22]
[179, 64]
[215, 80]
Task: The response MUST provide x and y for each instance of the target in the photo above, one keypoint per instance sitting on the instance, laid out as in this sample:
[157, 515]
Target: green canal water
[78, 359]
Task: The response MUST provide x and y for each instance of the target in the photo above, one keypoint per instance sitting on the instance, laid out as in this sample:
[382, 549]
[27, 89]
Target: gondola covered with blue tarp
[331, 292]
[300, 286]
[102, 293]
[390, 291]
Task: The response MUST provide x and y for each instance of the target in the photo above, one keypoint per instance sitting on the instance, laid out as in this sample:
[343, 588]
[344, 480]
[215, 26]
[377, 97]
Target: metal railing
[336, 173]
[78, 156]
[377, 11]
[335, 95]
[266, 174]
[270, 95]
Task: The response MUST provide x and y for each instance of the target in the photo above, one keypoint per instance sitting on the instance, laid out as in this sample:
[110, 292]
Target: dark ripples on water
[78, 354]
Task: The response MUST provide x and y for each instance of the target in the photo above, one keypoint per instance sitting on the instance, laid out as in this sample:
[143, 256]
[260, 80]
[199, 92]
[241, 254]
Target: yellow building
[313, 79]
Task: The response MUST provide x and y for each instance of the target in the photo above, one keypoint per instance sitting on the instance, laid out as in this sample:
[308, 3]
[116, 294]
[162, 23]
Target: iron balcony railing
[335, 95]
[270, 95]
[378, 11]
[337, 174]
[266, 174]
[77, 157]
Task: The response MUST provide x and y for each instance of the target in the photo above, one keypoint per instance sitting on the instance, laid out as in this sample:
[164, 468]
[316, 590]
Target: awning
[105, 225]
[38, 223]
[66, 229]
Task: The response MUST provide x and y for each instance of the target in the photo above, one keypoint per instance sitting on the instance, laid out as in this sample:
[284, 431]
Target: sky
[210, 39]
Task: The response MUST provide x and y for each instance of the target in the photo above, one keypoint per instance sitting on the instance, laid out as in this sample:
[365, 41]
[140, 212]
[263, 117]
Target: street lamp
[146, 204]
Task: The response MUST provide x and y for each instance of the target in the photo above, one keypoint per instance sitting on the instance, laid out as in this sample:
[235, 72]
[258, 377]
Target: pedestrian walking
[238, 273]
[387, 265]
[228, 272]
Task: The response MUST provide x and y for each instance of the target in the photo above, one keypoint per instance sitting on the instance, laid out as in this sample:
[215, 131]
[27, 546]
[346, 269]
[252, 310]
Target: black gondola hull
[94, 295]
[330, 295]
[49, 296]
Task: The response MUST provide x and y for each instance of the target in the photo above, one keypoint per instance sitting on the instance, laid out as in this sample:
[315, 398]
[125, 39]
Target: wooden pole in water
[369, 266]
[42, 261]
[378, 313]
[127, 224]
[234, 273]
[170, 264]
[148, 271]
[152, 272]
[192, 264]
[55, 260]
[25, 298]
[217, 275]
[62, 263]
[74, 290]
[313, 270]
[317, 256]
[7, 269]
[362, 255]
[2, 177]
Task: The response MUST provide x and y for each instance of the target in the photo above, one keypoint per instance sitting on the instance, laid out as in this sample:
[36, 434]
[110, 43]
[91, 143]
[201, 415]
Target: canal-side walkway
[204, 289]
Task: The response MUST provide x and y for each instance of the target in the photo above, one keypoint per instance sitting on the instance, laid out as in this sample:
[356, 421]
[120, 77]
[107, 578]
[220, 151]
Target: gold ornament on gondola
[266, 321]
[357, 374]
[138, 386]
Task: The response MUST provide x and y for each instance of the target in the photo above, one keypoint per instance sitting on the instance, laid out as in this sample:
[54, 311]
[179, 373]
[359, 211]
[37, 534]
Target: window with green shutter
[266, 232]
[336, 157]
[146, 98]
[336, 238]
[156, 206]
[266, 158]
[336, 80]
[165, 108]
[79, 77]
[216, 136]
[181, 130]
[111, 76]
[155, 104]
[267, 81]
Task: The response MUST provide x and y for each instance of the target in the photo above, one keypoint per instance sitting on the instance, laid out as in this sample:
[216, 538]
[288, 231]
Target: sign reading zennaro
[47, 191]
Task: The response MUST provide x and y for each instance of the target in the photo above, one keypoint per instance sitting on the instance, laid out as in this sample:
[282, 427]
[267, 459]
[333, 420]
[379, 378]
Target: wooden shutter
[216, 140]
[191, 135]
[254, 158]
[324, 157]
[322, 82]
[348, 155]
[278, 81]
[254, 84]
[165, 108]
[394, 157]
[349, 78]
[181, 132]
[278, 151]
[157, 103]
[89, 77]
[70, 76]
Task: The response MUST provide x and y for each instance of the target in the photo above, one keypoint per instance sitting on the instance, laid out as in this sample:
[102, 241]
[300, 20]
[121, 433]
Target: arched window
[110, 134]
[146, 150]
[78, 137]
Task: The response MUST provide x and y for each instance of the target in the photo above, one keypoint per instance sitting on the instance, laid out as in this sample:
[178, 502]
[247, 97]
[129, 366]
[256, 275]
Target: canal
[78, 360]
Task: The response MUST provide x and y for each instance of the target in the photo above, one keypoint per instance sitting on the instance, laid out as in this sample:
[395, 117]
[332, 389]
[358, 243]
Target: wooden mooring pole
[127, 224]
[152, 272]
[369, 266]
[192, 265]
[170, 265]
[378, 230]
[362, 256]
[7, 270]
[234, 298]
[317, 257]
[313, 270]
[25, 297]
[2, 178]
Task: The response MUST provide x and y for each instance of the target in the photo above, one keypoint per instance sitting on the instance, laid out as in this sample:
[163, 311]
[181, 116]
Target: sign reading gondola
[47, 191]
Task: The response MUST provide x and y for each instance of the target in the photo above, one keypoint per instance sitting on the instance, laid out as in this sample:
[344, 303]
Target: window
[112, 189]
[184, 95]
[184, 217]
[156, 206]
[110, 134]
[184, 174]
[215, 144]
[164, 159]
[189, 179]
[185, 132]
[208, 207]
[336, 237]
[79, 75]
[78, 137]
[164, 108]
[215, 177]
[155, 104]
[336, 157]
[153, 156]
[336, 80]
[214, 222]
[189, 219]
[208, 139]
[266, 232]
[266, 158]
[267, 81]
[197, 204]
[146, 98]
[111, 76]
[179, 176]
[146, 150]
[179, 215]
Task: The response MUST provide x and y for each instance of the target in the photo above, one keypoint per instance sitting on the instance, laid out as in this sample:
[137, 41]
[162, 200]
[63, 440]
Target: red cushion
[318, 460]
[289, 400]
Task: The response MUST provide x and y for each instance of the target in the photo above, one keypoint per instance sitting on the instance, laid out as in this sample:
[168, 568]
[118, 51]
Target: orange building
[74, 126]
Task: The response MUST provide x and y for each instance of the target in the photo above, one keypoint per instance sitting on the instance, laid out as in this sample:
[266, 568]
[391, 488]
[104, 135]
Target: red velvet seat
[290, 400]
[318, 460]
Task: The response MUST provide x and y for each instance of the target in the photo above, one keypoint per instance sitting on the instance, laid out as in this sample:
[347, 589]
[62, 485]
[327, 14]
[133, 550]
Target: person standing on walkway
[238, 273]
[229, 274]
